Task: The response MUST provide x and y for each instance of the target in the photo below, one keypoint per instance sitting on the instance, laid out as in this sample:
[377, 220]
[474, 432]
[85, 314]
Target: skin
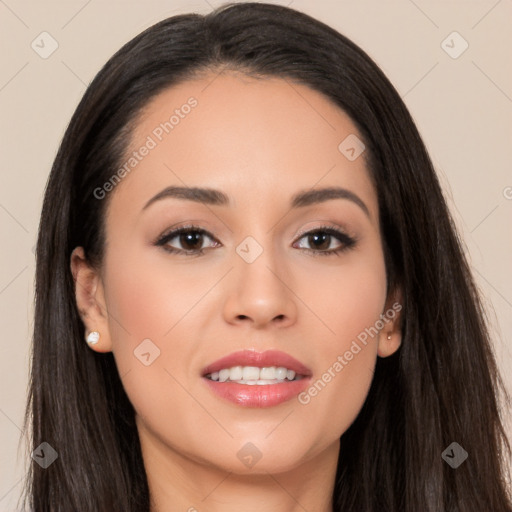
[260, 142]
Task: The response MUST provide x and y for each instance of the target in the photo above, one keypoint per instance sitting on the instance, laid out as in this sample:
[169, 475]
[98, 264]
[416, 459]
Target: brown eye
[320, 239]
[189, 239]
[192, 240]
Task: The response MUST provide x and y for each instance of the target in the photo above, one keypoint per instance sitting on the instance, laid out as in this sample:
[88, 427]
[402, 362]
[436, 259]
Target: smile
[252, 375]
[257, 379]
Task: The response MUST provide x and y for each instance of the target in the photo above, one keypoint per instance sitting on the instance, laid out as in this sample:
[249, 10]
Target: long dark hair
[441, 386]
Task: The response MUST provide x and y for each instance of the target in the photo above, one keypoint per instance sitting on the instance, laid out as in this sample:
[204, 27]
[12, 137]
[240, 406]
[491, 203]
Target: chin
[259, 456]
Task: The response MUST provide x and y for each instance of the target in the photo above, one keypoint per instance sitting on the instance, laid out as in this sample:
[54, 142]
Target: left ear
[90, 299]
[390, 336]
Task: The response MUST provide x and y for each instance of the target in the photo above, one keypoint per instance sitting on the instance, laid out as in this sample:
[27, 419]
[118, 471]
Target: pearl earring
[93, 337]
[389, 336]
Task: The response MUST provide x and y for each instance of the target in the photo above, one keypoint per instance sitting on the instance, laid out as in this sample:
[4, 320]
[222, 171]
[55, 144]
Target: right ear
[390, 338]
[90, 299]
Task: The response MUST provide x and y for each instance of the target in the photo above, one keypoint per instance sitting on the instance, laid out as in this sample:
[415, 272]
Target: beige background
[462, 107]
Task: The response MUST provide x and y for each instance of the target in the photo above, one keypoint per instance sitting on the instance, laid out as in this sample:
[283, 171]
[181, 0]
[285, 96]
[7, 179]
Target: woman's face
[261, 284]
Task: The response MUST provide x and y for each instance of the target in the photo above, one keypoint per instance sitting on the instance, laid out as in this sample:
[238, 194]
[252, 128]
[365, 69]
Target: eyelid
[326, 225]
[176, 231]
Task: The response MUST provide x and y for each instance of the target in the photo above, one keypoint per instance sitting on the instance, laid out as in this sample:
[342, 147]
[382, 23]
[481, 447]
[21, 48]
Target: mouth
[257, 379]
[253, 375]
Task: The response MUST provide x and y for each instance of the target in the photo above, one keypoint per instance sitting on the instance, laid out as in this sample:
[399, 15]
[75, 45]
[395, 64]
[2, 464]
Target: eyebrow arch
[217, 198]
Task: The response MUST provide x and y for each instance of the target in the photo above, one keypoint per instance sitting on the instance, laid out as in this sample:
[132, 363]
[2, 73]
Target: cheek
[346, 298]
[146, 312]
[147, 298]
[350, 309]
[154, 316]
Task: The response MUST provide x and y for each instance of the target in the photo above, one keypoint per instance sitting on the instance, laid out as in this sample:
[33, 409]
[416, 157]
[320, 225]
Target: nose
[260, 293]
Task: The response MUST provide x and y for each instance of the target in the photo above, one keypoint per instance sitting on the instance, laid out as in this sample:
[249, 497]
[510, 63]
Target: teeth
[249, 373]
[236, 373]
[268, 373]
[253, 375]
[281, 373]
[224, 374]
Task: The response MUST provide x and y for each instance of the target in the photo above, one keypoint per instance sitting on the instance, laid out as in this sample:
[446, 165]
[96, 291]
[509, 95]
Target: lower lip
[265, 395]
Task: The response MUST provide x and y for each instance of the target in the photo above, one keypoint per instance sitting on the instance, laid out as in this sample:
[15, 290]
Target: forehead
[257, 139]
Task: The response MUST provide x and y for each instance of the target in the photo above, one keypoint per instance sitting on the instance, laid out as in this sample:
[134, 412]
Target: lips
[263, 394]
[260, 359]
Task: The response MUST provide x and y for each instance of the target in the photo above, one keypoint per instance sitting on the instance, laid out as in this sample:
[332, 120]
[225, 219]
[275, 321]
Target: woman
[190, 350]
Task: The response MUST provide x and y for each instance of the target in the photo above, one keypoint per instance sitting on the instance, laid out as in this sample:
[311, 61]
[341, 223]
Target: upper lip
[258, 359]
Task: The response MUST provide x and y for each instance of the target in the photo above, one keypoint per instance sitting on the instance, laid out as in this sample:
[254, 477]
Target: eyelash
[347, 241]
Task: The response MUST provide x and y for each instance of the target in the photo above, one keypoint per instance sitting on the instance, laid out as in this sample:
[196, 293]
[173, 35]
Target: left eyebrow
[218, 198]
[199, 195]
